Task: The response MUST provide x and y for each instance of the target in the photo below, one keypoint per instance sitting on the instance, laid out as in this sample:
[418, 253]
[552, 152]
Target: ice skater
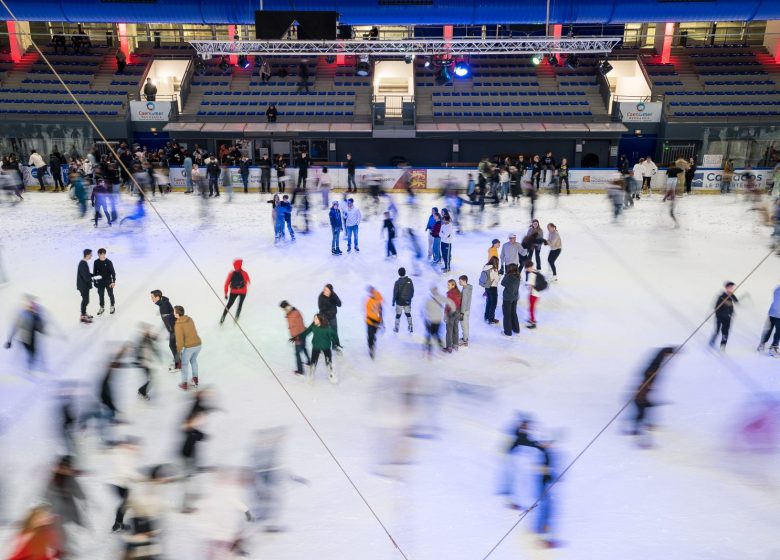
[403, 292]
[772, 323]
[724, 311]
[373, 318]
[104, 275]
[236, 285]
[387, 225]
[295, 328]
[336, 225]
[188, 345]
[84, 284]
[328, 304]
[166, 314]
[322, 340]
[642, 394]
[28, 325]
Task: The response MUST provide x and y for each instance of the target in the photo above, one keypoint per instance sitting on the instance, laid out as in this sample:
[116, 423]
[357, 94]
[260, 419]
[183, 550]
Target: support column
[233, 58]
[664, 35]
[19, 38]
[557, 30]
[772, 39]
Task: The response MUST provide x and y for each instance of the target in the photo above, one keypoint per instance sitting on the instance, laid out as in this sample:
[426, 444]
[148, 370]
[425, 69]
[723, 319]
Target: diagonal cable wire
[142, 194]
[622, 409]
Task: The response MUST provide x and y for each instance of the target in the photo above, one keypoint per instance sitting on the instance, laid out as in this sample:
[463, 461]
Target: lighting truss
[416, 47]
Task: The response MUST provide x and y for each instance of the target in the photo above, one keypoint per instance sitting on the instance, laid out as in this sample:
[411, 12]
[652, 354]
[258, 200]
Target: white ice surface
[624, 290]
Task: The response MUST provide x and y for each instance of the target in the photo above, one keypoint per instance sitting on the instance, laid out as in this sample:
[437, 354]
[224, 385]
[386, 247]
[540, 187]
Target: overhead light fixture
[223, 64]
[605, 67]
[552, 59]
[363, 66]
[572, 61]
[428, 63]
[443, 76]
[409, 58]
[462, 69]
[243, 62]
[330, 59]
[536, 59]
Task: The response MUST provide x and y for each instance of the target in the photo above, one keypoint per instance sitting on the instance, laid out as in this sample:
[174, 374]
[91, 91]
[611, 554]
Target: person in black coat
[328, 304]
[243, 168]
[105, 278]
[403, 292]
[84, 284]
[303, 75]
[55, 168]
[271, 113]
[265, 174]
[642, 395]
[166, 314]
[724, 310]
[303, 170]
[213, 172]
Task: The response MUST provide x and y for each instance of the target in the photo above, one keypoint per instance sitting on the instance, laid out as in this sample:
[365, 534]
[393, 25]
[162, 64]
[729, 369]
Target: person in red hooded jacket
[235, 288]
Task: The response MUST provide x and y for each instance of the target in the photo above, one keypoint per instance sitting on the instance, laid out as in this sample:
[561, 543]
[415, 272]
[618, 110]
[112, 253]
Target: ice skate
[195, 381]
[332, 375]
[101, 311]
[774, 352]
[143, 396]
[183, 386]
[112, 310]
[760, 347]
[86, 319]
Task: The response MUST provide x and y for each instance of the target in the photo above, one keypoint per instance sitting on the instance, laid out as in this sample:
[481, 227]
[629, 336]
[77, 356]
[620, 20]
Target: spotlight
[605, 67]
[462, 69]
[243, 62]
[552, 59]
[200, 67]
[536, 59]
[409, 58]
[443, 76]
[363, 66]
[330, 59]
[223, 64]
[572, 61]
[258, 61]
[428, 63]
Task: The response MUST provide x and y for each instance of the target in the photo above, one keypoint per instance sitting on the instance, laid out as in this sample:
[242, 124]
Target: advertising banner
[150, 110]
[647, 112]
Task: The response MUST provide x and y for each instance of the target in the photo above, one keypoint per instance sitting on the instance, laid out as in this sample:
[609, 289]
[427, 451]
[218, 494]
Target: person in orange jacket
[236, 285]
[39, 538]
[373, 317]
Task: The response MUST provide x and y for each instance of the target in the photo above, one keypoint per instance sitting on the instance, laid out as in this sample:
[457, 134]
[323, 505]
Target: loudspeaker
[345, 32]
[312, 25]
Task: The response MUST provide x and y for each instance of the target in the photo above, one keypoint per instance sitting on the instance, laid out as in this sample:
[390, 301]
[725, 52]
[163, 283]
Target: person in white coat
[650, 169]
[352, 218]
[37, 162]
[638, 172]
[465, 307]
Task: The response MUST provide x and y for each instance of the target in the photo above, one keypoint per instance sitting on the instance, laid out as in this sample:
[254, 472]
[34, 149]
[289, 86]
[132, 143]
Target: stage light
[552, 59]
[462, 69]
[258, 61]
[428, 63]
[536, 59]
[363, 66]
[243, 62]
[605, 67]
[330, 59]
[223, 64]
[443, 76]
[409, 58]
[572, 61]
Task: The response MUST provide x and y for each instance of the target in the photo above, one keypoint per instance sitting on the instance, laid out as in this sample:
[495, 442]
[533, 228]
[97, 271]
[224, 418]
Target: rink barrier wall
[435, 178]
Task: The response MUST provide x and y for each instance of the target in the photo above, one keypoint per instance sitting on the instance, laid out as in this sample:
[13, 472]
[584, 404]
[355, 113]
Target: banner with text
[649, 112]
[150, 110]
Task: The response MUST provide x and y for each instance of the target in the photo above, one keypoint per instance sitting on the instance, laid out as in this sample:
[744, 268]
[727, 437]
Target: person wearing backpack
[235, 288]
[536, 283]
[488, 279]
[403, 292]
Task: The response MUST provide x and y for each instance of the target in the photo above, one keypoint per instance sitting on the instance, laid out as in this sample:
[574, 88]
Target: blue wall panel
[371, 12]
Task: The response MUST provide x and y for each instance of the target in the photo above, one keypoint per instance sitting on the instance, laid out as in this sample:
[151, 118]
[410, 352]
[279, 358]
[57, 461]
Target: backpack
[484, 279]
[540, 284]
[237, 280]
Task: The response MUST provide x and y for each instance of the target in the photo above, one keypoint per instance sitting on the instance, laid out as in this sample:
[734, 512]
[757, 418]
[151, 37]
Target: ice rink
[624, 289]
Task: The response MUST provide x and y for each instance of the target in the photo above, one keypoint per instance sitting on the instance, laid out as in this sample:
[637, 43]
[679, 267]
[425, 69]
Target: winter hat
[284, 304]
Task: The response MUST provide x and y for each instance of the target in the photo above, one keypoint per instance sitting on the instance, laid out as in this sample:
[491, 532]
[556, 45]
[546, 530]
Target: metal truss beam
[421, 47]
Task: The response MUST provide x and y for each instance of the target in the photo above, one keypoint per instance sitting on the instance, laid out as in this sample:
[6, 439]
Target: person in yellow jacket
[187, 345]
[373, 317]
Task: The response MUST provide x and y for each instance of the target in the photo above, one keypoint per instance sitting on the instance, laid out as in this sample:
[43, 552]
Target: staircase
[546, 76]
[14, 77]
